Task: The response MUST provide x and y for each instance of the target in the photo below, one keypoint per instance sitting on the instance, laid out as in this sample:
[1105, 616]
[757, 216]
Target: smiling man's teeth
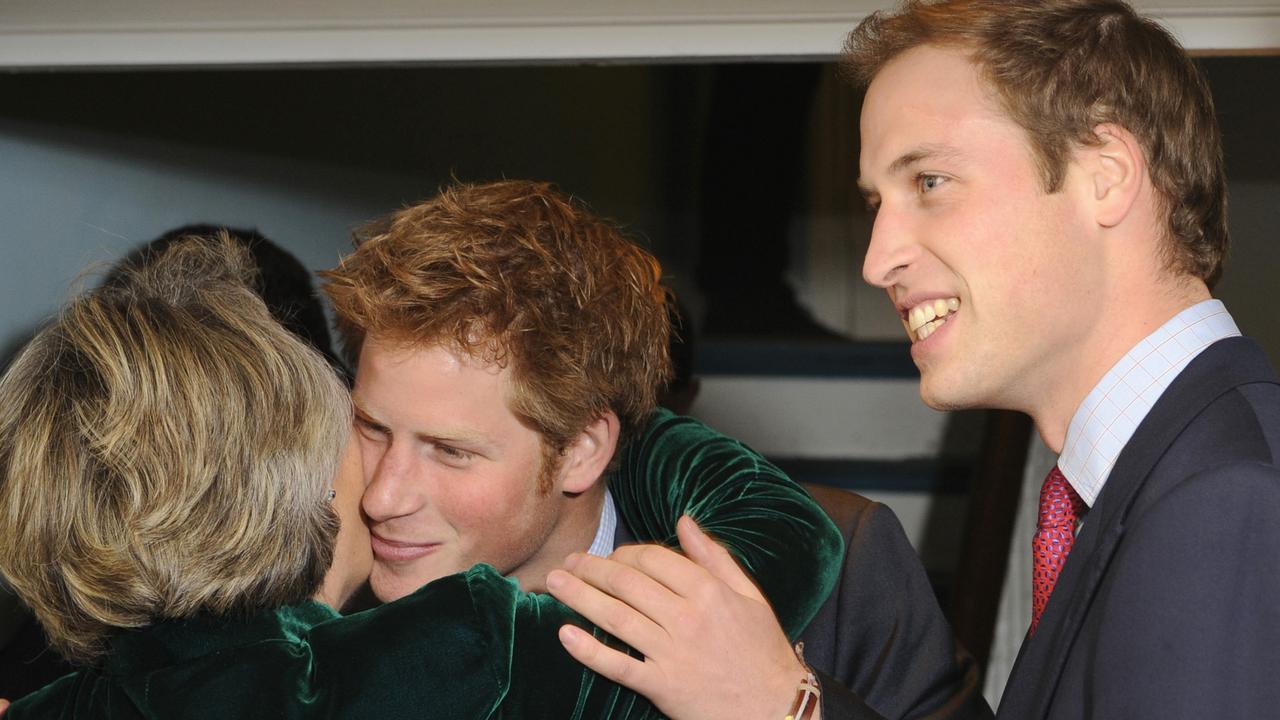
[925, 318]
[927, 329]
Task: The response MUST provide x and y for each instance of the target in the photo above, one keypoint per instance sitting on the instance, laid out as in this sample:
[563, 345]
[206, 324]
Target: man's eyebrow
[362, 413]
[449, 438]
[868, 192]
[462, 440]
[472, 440]
[909, 159]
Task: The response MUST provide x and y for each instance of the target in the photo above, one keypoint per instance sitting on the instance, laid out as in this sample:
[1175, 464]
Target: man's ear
[1117, 172]
[589, 454]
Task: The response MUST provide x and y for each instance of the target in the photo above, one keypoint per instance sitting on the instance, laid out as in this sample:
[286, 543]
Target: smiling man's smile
[926, 317]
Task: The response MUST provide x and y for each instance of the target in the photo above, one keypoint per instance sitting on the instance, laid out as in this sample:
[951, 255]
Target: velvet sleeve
[676, 465]
[771, 525]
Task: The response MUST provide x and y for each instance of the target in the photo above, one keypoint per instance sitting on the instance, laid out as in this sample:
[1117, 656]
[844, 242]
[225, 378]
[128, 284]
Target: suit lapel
[1034, 678]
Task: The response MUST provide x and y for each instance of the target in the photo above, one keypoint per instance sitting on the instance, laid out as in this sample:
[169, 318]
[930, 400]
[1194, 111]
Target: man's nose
[393, 490]
[891, 251]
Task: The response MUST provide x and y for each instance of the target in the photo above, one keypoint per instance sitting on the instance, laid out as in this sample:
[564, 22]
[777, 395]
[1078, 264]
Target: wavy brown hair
[166, 450]
[517, 273]
[1062, 67]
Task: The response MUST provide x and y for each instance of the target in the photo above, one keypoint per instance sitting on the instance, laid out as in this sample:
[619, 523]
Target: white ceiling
[69, 33]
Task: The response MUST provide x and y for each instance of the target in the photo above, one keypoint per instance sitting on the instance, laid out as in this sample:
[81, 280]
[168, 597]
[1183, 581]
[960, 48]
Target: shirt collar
[602, 545]
[1112, 411]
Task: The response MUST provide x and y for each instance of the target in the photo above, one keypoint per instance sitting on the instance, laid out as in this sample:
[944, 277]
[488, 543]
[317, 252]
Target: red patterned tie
[1055, 534]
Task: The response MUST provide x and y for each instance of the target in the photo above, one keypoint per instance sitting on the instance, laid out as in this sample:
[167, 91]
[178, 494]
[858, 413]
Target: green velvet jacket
[470, 645]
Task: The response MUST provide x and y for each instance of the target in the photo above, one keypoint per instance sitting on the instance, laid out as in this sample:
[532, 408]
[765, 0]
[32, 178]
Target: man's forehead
[393, 368]
[928, 78]
[433, 390]
[918, 106]
[480, 352]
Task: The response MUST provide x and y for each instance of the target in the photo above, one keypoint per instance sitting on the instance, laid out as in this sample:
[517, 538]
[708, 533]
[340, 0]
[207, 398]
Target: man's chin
[390, 589]
[388, 586]
[948, 392]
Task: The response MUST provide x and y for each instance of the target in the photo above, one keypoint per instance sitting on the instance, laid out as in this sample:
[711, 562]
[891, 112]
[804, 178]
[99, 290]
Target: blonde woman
[179, 506]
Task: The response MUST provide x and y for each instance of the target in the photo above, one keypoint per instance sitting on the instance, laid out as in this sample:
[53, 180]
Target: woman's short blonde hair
[166, 450]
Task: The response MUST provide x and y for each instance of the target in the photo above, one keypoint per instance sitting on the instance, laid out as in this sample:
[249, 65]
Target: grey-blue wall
[76, 200]
[92, 165]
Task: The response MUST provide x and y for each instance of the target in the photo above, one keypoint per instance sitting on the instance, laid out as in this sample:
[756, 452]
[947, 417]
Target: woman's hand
[712, 647]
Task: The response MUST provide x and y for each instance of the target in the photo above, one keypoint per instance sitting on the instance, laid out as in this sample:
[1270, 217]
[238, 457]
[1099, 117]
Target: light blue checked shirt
[602, 545]
[1107, 418]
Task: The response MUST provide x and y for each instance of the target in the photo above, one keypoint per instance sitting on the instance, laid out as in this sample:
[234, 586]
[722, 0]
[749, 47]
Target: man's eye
[927, 182]
[370, 430]
[453, 454]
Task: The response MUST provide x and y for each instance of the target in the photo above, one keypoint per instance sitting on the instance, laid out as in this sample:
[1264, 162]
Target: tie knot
[1059, 503]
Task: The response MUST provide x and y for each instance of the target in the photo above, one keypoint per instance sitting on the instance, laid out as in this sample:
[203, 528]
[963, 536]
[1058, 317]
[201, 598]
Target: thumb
[713, 558]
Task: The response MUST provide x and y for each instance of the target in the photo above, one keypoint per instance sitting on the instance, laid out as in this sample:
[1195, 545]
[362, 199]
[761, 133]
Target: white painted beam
[147, 33]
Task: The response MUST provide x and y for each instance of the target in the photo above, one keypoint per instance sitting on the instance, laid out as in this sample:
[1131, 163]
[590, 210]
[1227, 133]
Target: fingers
[615, 616]
[4, 705]
[712, 556]
[673, 571]
[607, 662]
[650, 578]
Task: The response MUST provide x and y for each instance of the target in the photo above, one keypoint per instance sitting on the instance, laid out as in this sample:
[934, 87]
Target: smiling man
[1004, 301]
[457, 466]
[508, 340]
[1050, 216]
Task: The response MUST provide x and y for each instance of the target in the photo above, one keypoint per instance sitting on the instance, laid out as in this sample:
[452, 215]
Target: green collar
[171, 642]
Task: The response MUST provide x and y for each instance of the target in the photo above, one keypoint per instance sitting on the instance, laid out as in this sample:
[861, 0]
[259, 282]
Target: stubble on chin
[388, 586]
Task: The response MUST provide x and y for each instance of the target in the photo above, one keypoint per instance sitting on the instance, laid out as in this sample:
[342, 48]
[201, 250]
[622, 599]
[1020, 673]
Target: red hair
[515, 272]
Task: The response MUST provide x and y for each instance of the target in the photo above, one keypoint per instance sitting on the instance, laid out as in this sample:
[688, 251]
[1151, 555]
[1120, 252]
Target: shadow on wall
[1246, 91]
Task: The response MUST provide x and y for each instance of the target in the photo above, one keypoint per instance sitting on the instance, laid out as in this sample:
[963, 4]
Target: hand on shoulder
[711, 644]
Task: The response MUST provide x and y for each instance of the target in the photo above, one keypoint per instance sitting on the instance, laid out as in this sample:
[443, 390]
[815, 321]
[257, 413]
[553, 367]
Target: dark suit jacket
[1169, 604]
[879, 642]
